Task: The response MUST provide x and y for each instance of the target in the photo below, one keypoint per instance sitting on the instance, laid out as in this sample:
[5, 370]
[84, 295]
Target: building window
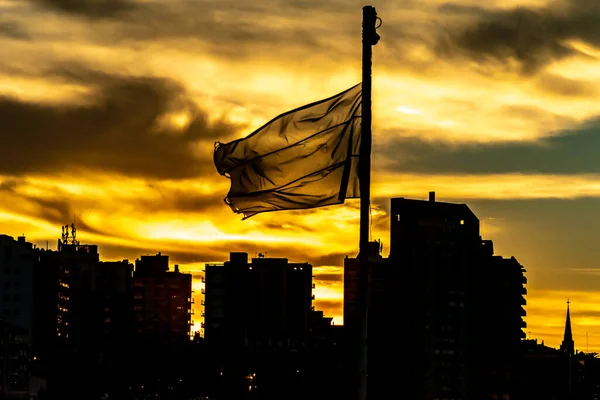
[398, 217]
[462, 221]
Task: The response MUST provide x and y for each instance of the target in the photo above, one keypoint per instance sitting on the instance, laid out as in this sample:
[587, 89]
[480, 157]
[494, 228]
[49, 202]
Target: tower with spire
[568, 345]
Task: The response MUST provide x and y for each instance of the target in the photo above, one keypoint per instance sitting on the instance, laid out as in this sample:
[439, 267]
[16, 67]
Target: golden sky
[110, 109]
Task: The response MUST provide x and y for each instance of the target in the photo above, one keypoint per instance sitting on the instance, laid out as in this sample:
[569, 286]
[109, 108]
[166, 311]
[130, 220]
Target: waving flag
[304, 158]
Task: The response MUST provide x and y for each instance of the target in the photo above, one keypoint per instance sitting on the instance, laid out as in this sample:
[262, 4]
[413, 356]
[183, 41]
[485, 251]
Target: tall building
[438, 300]
[265, 302]
[162, 300]
[14, 361]
[16, 282]
[77, 265]
[112, 298]
[496, 301]
[64, 326]
[437, 246]
[266, 338]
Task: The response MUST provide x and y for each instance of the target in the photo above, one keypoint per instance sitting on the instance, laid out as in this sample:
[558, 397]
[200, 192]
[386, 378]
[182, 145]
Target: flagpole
[369, 39]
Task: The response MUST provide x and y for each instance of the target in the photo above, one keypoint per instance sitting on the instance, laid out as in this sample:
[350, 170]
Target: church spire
[568, 345]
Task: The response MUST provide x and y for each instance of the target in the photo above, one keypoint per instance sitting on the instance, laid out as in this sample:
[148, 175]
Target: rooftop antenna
[65, 234]
[73, 234]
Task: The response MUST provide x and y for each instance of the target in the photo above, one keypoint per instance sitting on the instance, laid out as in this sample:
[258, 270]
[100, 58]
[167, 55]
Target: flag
[304, 158]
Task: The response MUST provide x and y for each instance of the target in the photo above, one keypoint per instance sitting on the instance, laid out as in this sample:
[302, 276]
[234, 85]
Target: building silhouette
[16, 282]
[112, 306]
[568, 345]
[14, 361]
[496, 301]
[450, 296]
[437, 245]
[162, 301]
[267, 340]
[264, 302]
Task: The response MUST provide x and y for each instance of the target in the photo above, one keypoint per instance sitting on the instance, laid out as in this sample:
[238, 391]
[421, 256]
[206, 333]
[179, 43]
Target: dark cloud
[178, 200]
[222, 29]
[331, 259]
[118, 131]
[56, 209]
[228, 28]
[586, 314]
[565, 87]
[569, 152]
[8, 185]
[13, 30]
[330, 277]
[533, 37]
[288, 226]
[90, 8]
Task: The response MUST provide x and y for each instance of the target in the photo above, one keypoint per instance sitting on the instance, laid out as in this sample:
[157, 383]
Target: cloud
[329, 277]
[136, 126]
[329, 307]
[534, 37]
[567, 152]
[13, 30]
[56, 209]
[227, 28]
[89, 8]
[8, 185]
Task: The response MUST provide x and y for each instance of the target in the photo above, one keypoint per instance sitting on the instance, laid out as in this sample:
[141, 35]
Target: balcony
[203, 291]
[314, 286]
[203, 315]
[522, 301]
[312, 297]
[523, 324]
[524, 291]
[201, 302]
[202, 325]
[203, 279]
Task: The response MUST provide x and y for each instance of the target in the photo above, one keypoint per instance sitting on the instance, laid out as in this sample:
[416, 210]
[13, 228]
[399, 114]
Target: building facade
[262, 302]
[162, 300]
[14, 361]
[17, 259]
[438, 299]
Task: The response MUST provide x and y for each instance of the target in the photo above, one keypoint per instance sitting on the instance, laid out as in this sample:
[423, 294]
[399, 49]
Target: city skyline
[112, 110]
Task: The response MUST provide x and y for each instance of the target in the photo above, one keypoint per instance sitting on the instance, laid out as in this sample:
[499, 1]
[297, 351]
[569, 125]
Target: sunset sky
[110, 110]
